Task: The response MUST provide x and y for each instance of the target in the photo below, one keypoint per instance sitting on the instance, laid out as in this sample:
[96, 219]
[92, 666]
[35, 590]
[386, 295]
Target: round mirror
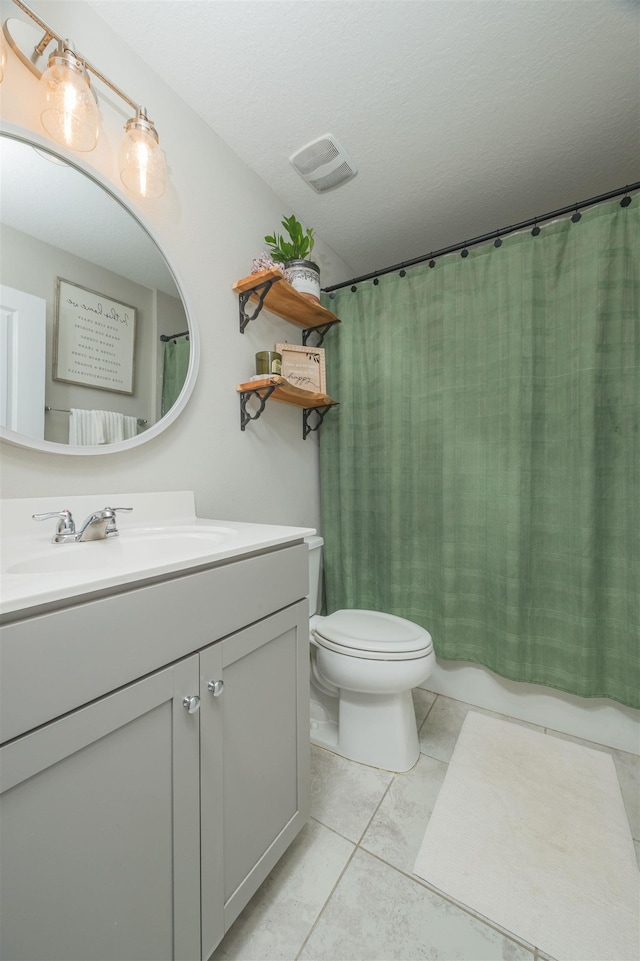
[97, 353]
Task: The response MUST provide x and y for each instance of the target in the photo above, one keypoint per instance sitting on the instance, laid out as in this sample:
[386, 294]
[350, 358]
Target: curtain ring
[497, 242]
[576, 216]
[626, 200]
[536, 229]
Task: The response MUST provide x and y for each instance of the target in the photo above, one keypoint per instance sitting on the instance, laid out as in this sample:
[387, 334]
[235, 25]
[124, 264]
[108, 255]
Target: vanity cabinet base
[139, 825]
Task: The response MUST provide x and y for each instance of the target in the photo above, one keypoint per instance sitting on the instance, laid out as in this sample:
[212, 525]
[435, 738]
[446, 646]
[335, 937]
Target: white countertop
[162, 535]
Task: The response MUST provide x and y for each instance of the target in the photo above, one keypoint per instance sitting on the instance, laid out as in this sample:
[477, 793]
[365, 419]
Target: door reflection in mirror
[22, 361]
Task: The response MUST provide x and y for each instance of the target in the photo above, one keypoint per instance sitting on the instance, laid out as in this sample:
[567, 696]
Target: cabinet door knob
[216, 687]
[191, 703]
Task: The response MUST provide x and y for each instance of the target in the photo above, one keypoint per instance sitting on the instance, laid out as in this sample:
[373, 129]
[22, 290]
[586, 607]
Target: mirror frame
[32, 139]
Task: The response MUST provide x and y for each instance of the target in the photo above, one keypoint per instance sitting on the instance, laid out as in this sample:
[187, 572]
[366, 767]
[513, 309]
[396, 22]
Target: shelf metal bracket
[320, 330]
[307, 427]
[261, 290]
[263, 393]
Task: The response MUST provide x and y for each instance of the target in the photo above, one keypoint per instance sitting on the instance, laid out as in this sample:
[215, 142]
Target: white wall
[210, 224]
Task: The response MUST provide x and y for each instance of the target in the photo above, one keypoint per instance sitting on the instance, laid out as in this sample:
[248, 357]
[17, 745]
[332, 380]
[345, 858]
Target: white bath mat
[530, 831]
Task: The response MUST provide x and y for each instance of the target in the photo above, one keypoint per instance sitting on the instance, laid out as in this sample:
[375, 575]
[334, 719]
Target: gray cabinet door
[262, 722]
[99, 829]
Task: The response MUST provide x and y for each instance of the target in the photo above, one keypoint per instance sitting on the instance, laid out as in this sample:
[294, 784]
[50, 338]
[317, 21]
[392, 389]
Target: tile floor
[345, 891]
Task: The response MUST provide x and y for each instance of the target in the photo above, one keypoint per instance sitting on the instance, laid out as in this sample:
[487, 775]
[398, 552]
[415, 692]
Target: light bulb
[3, 57]
[69, 112]
[142, 167]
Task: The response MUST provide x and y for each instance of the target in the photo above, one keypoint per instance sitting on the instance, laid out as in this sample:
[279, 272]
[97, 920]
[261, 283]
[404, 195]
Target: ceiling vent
[324, 164]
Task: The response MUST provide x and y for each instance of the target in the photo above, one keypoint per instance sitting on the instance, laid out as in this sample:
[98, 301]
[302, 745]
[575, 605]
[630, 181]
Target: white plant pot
[304, 276]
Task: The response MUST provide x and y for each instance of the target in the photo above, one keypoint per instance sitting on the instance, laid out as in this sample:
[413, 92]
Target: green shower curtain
[481, 475]
[176, 365]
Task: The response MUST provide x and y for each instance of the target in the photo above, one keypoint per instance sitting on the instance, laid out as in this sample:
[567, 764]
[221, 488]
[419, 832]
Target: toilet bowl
[364, 665]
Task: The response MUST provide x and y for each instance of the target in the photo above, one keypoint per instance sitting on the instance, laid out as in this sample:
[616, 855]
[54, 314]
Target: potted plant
[303, 274]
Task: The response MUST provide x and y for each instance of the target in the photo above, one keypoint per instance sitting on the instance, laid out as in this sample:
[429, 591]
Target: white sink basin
[131, 549]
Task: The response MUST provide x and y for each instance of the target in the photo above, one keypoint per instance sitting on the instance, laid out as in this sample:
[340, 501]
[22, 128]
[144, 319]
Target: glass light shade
[69, 112]
[3, 57]
[142, 167]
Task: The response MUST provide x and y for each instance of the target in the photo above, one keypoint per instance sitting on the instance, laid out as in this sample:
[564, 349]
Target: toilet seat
[373, 635]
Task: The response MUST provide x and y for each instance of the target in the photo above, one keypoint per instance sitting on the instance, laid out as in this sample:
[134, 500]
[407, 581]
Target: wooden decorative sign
[304, 367]
[94, 339]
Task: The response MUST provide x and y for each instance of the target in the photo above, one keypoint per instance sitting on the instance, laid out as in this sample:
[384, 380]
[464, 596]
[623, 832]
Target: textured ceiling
[462, 116]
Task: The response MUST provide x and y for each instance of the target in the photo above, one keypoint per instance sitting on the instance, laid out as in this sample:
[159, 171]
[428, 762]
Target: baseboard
[598, 719]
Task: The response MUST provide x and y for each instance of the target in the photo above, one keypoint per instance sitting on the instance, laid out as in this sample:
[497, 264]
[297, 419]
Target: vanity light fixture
[141, 162]
[69, 111]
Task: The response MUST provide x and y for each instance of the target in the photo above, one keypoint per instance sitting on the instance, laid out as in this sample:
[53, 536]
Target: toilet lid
[373, 631]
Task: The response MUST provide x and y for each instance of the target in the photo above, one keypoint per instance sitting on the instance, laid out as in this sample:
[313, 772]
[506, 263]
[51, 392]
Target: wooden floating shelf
[281, 299]
[288, 394]
[313, 406]
[269, 289]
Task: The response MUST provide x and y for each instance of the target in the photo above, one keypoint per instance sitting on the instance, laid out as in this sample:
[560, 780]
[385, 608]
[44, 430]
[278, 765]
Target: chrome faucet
[98, 525]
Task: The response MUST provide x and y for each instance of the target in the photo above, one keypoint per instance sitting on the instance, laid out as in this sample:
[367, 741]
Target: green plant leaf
[298, 247]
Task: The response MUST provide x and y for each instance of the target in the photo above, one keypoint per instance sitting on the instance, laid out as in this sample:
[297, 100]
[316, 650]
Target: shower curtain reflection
[176, 364]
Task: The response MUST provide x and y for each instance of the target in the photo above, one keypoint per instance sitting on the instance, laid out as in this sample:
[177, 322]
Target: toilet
[364, 665]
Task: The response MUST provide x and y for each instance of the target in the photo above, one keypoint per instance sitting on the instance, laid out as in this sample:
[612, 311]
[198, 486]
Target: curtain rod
[495, 235]
[165, 338]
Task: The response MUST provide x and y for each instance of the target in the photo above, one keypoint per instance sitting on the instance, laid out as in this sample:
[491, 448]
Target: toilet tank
[315, 572]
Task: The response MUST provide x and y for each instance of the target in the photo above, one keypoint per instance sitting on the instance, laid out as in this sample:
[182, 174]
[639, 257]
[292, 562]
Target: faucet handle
[65, 523]
[111, 513]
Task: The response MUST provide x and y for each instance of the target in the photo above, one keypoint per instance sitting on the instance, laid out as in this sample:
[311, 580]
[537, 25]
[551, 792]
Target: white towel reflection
[93, 427]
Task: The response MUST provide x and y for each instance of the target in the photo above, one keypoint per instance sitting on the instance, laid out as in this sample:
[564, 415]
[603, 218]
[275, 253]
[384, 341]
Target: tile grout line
[424, 721]
[356, 844]
[328, 898]
[356, 847]
[534, 724]
[377, 808]
[585, 741]
[458, 904]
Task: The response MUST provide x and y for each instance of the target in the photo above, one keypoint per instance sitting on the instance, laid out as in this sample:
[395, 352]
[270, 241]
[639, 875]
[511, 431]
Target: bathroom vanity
[154, 726]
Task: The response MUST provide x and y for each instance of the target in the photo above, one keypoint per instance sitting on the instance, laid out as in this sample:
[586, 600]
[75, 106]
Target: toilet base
[324, 720]
[378, 730]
